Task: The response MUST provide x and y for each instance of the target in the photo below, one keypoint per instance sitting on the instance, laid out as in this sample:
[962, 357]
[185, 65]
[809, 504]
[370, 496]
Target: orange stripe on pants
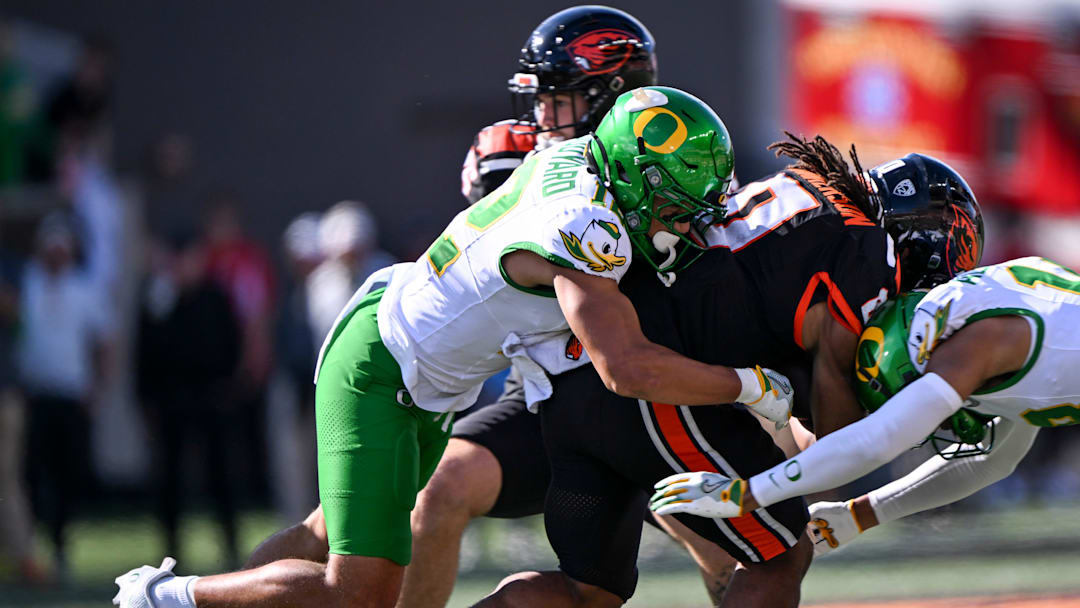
[687, 451]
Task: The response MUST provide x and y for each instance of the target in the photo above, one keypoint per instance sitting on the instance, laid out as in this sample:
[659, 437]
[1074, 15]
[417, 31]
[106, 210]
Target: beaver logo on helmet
[601, 51]
[965, 240]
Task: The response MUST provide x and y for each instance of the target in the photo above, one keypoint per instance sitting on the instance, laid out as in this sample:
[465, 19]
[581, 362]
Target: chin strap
[665, 242]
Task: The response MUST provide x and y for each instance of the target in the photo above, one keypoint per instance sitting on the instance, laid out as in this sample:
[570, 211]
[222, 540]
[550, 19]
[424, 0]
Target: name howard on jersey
[562, 171]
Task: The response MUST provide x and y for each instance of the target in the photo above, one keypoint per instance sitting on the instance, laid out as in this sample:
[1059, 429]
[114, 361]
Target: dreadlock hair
[820, 157]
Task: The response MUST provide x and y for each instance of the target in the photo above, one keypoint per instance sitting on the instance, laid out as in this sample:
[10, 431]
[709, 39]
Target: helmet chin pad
[665, 242]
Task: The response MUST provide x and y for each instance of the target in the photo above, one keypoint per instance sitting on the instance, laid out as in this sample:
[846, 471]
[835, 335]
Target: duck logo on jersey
[597, 246]
[926, 340]
[601, 51]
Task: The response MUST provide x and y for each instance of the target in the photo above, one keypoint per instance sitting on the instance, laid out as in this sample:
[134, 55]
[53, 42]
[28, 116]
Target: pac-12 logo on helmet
[601, 51]
[904, 188]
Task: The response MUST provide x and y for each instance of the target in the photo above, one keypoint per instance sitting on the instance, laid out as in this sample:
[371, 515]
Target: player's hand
[135, 584]
[702, 493]
[832, 525]
[768, 393]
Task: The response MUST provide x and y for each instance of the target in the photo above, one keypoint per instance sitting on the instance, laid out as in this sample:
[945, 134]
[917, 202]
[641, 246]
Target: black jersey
[788, 243]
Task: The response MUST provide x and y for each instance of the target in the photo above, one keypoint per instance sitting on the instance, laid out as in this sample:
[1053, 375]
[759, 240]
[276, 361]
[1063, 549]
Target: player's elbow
[993, 470]
[627, 376]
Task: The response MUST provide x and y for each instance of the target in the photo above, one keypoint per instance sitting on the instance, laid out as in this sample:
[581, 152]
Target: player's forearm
[859, 448]
[661, 375]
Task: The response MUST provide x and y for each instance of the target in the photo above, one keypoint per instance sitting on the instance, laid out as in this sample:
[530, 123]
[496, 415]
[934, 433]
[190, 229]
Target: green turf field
[951, 553]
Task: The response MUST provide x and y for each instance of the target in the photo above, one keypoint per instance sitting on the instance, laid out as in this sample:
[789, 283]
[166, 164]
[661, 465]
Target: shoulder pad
[504, 136]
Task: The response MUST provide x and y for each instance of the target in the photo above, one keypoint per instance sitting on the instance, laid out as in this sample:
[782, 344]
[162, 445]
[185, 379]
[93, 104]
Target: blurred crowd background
[189, 192]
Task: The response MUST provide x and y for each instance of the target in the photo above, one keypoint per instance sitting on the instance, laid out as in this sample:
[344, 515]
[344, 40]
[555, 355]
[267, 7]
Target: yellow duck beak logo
[597, 246]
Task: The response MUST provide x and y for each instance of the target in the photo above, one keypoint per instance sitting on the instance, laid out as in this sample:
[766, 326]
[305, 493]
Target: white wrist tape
[175, 592]
[751, 385]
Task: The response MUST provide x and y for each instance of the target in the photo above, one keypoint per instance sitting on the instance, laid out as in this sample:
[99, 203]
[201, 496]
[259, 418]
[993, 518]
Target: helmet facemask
[665, 201]
[598, 52]
[963, 435]
[589, 101]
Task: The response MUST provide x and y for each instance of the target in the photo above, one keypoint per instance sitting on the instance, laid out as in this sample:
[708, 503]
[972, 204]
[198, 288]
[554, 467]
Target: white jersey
[1046, 391]
[453, 319]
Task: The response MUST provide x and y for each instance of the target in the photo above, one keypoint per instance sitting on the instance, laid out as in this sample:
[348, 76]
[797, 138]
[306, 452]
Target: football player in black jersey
[800, 261]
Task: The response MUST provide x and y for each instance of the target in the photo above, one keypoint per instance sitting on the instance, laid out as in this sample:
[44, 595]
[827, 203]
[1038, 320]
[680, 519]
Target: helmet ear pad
[933, 217]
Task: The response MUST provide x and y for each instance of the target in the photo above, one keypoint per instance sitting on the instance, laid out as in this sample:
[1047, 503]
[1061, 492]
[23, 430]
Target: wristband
[752, 386]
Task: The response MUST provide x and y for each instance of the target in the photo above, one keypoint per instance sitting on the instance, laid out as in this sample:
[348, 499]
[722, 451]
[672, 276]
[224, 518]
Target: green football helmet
[883, 367]
[665, 155]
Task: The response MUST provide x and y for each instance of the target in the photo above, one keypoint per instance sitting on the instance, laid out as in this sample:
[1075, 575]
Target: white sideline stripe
[674, 464]
[731, 472]
[659, 445]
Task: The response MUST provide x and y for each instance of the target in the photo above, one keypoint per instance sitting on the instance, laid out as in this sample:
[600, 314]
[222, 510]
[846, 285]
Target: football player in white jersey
[508, 280]
[571, 68]
[989, 357]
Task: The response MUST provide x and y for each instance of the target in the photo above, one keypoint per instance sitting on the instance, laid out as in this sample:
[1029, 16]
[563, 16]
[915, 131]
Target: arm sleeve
[939, 481]
[859, 448]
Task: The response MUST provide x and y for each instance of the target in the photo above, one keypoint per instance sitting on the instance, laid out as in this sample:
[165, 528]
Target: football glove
[701, 493]
[768, 393]
[832, 525]
[135, 584]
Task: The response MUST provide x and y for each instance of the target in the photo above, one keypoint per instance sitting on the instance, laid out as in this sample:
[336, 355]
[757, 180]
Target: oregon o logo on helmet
[661, 130]
[868, 353]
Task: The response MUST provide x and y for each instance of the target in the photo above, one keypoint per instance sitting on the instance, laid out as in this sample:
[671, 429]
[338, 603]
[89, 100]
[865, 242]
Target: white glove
[135, 584]
[701, 493]
[832, 525]
[767, 392]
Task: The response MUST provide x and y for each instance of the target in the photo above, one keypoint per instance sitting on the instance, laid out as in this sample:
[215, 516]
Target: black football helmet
[596, 50]
[932, 216]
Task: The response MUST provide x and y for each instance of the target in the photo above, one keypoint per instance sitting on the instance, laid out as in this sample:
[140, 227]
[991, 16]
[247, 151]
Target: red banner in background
[998, 99]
